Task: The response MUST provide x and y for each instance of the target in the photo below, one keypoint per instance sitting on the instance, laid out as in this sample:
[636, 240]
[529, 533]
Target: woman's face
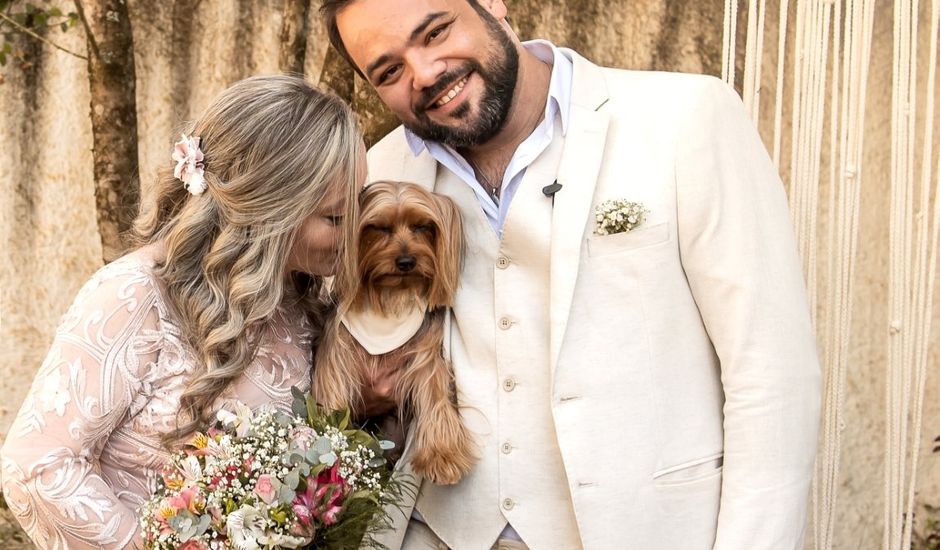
[316, 248]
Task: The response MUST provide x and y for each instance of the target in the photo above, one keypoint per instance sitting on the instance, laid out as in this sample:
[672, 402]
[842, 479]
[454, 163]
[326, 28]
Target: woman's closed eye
[336, 220]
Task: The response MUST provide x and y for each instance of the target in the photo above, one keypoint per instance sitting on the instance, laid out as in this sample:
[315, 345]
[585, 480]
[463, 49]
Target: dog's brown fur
[403, 220]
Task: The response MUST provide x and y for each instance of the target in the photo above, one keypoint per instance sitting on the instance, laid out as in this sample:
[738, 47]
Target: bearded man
[631, 340]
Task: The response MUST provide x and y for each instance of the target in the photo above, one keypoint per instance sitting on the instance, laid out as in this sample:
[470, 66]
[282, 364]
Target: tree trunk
[339, 76]
[294, 36]
[113, 118]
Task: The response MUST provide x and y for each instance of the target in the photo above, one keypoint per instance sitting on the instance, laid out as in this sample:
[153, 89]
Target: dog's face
[410, 244]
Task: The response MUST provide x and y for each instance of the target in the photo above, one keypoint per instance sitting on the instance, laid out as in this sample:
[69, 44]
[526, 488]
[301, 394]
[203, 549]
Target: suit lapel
[577, 173]
[400, 165]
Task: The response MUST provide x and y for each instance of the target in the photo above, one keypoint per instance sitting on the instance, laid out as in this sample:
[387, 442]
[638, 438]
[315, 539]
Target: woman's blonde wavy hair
[275, 147]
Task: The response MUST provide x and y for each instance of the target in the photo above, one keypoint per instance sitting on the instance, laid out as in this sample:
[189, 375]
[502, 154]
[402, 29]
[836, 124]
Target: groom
[646, 381]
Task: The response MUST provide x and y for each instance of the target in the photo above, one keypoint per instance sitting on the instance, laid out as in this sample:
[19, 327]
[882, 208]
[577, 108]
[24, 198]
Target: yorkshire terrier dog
[408, 254]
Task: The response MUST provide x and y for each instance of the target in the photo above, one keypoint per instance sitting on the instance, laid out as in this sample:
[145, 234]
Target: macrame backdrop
[825, 67]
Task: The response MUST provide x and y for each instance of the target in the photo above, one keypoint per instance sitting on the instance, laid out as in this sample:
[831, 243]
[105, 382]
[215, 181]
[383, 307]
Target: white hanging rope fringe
[899, 389]
[913, 257]
[730, 40]
[754, 52]
[809, 100]
[837, 79]
[925, 267]
[781, 65]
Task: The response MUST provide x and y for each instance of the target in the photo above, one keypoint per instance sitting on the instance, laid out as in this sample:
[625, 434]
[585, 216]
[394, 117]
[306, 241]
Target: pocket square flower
[618, 216]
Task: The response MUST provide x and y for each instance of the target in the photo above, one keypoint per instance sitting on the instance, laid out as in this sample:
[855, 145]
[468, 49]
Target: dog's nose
[405, 263]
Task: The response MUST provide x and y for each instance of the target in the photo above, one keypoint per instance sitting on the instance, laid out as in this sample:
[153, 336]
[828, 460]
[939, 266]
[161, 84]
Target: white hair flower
[190, 164]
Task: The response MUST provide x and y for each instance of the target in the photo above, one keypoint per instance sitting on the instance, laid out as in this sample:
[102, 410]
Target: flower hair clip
[190, 164]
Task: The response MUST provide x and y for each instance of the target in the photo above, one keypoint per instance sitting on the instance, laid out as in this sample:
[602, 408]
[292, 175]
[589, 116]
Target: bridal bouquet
[274, 480]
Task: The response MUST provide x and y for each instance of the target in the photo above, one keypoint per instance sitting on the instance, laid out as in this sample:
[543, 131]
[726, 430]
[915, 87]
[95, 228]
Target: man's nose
[426, 72]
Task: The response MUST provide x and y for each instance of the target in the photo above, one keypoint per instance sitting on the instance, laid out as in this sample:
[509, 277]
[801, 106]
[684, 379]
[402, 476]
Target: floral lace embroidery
[84, 450]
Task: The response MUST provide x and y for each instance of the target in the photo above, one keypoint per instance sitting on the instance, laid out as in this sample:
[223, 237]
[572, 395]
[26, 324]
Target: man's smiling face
[446, 68]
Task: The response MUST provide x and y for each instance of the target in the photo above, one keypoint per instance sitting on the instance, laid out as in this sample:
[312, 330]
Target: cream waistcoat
[520, 477]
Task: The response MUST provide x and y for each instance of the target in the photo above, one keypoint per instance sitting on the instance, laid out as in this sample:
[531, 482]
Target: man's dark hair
[329, 9]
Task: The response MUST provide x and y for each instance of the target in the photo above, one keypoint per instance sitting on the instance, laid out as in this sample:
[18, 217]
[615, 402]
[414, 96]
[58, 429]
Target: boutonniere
[618, 216]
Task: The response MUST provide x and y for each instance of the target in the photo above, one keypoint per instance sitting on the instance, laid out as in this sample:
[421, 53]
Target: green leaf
[63, 27]
[3, 59]
[54, 12]
[7, 47]
[292, 479]
[285, 495]
[312, 412]
[345, 421]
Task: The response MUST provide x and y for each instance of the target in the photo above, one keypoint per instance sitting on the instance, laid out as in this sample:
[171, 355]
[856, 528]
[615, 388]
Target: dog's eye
[379, 228]
[423, 228]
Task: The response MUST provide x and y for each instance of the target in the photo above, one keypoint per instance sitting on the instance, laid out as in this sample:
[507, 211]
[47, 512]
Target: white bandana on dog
[379, 334]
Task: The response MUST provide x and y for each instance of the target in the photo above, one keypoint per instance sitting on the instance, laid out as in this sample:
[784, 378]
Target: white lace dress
[84, 451]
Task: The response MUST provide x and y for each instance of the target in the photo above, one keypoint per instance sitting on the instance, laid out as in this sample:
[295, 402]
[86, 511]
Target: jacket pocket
[604, 245]
[690, 471]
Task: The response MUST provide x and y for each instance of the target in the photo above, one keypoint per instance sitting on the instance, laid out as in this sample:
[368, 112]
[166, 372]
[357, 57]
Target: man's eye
[388, 73]
[437, 31]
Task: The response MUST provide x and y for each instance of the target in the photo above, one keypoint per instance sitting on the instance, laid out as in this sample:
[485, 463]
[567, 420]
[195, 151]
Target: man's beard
[499, 79]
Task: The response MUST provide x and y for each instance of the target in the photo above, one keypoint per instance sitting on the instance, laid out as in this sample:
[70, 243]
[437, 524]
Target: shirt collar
[559, 88]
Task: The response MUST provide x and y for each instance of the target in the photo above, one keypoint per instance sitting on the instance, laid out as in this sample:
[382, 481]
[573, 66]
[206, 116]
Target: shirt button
[508, 504]
[507, 448]
[502, 262]
[509, 384]
[505, 323]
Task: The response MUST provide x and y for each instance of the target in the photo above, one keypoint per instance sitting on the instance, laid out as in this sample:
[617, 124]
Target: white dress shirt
[559, 96]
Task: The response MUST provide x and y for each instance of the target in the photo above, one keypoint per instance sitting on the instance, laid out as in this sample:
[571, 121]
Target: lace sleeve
[82, 392]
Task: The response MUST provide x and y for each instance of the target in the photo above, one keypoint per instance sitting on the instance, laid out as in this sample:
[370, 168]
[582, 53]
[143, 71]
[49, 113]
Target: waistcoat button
[502, 262]
[507, 448]
[508, 504]
[505, 323]
[509, 384]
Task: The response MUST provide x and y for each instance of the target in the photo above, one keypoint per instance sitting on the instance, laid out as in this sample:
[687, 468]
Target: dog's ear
[448, 248]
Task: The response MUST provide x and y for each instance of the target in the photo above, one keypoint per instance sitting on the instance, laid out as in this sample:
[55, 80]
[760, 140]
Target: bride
[220, 301]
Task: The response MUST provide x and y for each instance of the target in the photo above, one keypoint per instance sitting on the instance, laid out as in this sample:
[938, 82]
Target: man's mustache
[445, 82]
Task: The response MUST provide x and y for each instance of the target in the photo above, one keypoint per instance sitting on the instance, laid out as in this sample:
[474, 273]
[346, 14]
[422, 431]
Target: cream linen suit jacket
[685, 380]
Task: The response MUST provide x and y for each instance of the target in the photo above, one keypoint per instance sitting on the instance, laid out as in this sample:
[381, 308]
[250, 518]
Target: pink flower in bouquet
[192, 544]
[304, 526]
[332, 499]
[188, 499]
[330, 494]
[266, 488]
[302, 438]
[303, 503]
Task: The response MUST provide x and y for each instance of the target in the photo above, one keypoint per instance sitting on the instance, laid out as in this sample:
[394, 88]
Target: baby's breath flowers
[618, 216]
[270, 480]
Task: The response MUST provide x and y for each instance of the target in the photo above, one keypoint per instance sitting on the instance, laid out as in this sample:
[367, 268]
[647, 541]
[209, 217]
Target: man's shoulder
[393, 143]
[669, 89]
[392, 159]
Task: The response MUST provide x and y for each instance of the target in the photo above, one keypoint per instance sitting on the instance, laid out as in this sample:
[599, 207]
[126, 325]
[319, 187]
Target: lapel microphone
[550, 190]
